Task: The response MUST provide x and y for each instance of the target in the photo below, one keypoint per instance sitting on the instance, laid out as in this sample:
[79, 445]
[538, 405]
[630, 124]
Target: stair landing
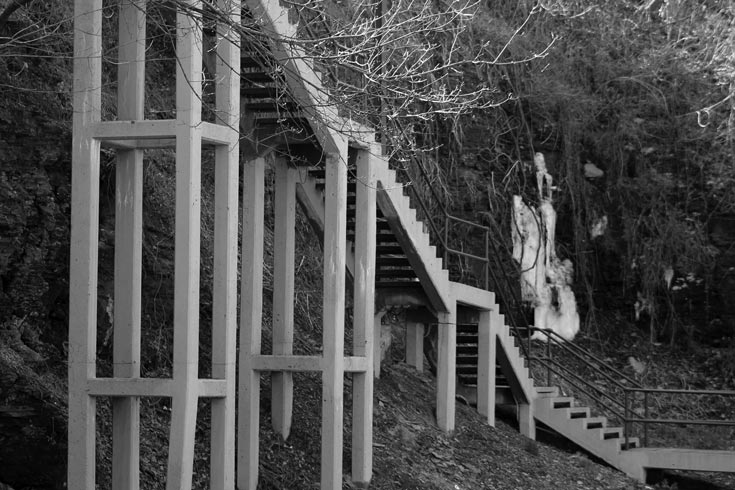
[644, 459]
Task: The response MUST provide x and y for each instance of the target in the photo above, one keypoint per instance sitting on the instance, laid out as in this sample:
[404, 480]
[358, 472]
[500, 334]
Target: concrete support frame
[282, 363]
[129, 135]
[364, 317]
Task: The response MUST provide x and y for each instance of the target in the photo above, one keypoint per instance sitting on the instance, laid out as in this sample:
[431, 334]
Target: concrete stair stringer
[514, 364]
[303, 81]
[592, 440]
[311, 200]
[409, 231]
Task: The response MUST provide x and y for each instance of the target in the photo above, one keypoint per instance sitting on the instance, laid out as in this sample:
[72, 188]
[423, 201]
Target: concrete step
[595, 423]
[561, 402]
[611, 433]
[633, 442]
[392, 262]
[577, 413]
[395, 273]
[547, 391]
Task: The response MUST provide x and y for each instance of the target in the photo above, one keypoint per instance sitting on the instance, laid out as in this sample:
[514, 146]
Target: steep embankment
[411, 453]
[34, 242]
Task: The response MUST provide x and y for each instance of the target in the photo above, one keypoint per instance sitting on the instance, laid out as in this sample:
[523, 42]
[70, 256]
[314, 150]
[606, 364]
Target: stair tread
[395, 273]
[389, 249]
[397, 284]
[392, 261]
[574, 413]
[561, 400]
[595, 421]
[633, 443]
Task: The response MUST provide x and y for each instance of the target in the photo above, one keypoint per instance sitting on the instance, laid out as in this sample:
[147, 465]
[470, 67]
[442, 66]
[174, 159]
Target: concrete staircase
[288, 105]
[593, 434]
[577, 424]
[408, 271]
[580, 425]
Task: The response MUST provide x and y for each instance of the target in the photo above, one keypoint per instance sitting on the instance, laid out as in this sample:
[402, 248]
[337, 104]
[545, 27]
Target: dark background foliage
[644, 90]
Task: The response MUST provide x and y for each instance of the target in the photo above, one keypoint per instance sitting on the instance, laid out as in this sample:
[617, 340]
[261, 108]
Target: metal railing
[442, 230]
[641, 408]
[624, 400]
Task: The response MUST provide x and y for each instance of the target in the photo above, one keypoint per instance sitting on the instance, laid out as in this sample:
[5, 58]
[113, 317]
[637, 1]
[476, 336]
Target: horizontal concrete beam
[158, 134]
[207, 388]
[304, 363]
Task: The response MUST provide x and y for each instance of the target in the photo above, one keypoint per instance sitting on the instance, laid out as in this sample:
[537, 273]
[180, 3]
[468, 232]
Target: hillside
[590, 105]
[411, 453]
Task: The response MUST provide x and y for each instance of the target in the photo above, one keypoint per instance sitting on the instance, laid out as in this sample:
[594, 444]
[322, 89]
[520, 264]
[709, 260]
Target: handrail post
[548, 358]
[446, 241]
[625, 417]
[487, 260]
[645, 416]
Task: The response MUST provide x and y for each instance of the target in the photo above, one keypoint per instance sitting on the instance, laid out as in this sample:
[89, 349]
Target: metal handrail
[629, 416]
[678, 391]
[646, 420]
[596, 398]
[578, 352]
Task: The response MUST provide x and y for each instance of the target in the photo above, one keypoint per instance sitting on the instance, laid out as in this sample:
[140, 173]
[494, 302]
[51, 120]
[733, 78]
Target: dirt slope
[410, 452]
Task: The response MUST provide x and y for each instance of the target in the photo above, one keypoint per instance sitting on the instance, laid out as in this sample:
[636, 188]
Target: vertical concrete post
[364, 301]
[224, 289]
[487, 336]
[415, 345]
[251, 318]
[128, 247]
[84, 241]
[284, 244]
[447, 368]
[187, 241]
[377, 333]
[335, 232]
[526, 422]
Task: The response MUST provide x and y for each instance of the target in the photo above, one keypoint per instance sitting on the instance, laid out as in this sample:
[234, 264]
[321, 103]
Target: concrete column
[486, 362]
[84, 242]
[447, 368]
[251, 319]
[224, 289]
[364, 326]
[415, 345]
[283, 293]
[335, 250]
[128, 248]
